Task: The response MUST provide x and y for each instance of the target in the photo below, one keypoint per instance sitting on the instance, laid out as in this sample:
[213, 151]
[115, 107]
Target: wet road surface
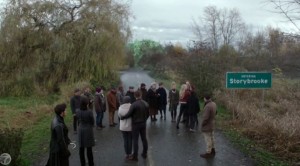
[168, 146]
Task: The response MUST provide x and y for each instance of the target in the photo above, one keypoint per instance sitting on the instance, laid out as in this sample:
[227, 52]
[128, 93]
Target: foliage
[272, 122]
[51, 42]
[11, 142]
[146, 51]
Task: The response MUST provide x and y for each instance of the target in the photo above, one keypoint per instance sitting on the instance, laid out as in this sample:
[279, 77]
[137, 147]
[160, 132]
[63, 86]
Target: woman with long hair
[183, 97]
[173, 101]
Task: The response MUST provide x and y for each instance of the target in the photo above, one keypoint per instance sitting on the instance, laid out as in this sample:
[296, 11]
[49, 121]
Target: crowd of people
[133, 110]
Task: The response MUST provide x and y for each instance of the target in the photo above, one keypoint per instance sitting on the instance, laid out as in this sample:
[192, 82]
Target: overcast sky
[171, 20]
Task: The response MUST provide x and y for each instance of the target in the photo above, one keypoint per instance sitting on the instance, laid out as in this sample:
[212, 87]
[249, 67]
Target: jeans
[127, 137]
[99, 117]
[89, 153]
[183, 107]
[139, 129]
[173, 110]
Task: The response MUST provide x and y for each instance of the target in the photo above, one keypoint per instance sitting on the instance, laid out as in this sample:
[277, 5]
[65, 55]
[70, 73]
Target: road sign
[248, 80]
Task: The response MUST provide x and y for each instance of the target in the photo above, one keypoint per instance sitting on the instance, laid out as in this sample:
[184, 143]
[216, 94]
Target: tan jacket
[209, 113]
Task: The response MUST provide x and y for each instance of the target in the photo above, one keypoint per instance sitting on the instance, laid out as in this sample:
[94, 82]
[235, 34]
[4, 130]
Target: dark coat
[85, 129]
[173, 99]
[75, 103]
[193, 106]
[131, 95]
[59, 153]
[91, 99]
[209, 113]
[99, 103]
[152, 99]
[144, 94]
[139, 111]
[162, 96]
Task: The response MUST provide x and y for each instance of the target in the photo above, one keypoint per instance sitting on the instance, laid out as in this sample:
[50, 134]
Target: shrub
[11, 142]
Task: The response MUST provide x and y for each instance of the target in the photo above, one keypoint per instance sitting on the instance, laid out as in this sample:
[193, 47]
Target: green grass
[20, 103]
[247, 146]
[36, 135]
[36, 139]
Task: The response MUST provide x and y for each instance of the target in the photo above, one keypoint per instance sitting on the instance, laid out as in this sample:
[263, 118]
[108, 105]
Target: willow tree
[49, 42]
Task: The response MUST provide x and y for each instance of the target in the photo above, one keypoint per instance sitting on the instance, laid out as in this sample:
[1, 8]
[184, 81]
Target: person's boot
[206, 155]
[213, 151]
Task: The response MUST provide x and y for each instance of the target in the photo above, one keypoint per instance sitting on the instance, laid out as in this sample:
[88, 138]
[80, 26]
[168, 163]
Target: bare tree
[290, 9]
[219, 26]
[230, 25]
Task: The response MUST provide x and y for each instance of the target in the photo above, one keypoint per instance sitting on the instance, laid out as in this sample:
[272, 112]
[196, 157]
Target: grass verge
[246, 145]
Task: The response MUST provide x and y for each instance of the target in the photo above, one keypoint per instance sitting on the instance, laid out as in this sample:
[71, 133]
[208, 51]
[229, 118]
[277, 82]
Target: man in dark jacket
[100, 107]
[162, 100]
[130, 93]
[75, 104]
[209, 113]
[59, 153]
[143, 91]
[139, 112]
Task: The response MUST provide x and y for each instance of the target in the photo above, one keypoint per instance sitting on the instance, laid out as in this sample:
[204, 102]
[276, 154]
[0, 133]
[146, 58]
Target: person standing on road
[130, 93]
[143, 91]
[75, 104]
[193, 108]
[112, 106]
[126, 126]
[59, 152]
[173, 101]
[87, 93]
[100, 107]
[139, 112]
[85, 131]
[162, 100]
[209, 113]
[184, 95]
[153, 101]
[120, 95]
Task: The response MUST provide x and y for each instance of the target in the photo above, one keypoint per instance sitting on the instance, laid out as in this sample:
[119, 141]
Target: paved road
[167, 145]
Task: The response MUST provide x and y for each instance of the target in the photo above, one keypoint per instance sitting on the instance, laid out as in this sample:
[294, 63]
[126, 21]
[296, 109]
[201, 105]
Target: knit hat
[98, 89]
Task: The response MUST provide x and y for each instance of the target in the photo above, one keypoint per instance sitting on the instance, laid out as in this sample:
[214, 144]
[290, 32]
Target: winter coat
[144, 94]
[131, 95]
[193, 106]
[125, 124]
[75, 103]
[85, 129]
[112, 101]
[91, 99]
[138, 111]
[209, 114]
[184, 98]
[59, 153]
[120, 96]
[152, 99]
[162, 96]
[173, 99]
[99, 103]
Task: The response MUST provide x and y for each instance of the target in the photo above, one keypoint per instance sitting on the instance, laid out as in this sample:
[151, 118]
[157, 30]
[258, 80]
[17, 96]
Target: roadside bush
[11, 142]
[273, 122]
